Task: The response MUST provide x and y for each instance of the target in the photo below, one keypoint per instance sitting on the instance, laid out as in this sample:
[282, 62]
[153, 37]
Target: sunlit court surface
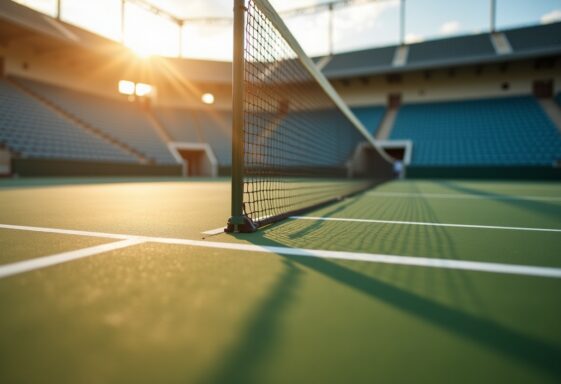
[278, 191]
[175, 305]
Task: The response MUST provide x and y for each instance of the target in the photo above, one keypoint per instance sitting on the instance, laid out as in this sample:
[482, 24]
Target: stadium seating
[32, 130]
[324, 128]
[498, 132]
[370, 117]
[216, 130]
[204, 126]
[181, 124]
[535, 37]
[124, 121]
[455, 48]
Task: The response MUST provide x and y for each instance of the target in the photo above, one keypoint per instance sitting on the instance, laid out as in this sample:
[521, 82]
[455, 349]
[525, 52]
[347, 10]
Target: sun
[142, 51]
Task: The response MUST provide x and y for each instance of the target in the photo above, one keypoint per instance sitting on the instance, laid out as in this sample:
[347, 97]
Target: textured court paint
[48, 261]
[268, 319]
[526, 270]
[133, 315]
[22, 245]
[393, 222]
[170, 208]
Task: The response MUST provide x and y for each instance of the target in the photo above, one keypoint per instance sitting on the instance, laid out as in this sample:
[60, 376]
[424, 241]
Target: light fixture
[126, 87]
[143, 89]
[207, 98]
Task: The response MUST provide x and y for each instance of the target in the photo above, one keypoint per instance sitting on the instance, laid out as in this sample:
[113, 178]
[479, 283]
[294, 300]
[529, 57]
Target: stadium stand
[474, 49]
[322, 127]
[122, 120]
[216, 130]
[542, 37]
[200, 126]
[32, 130]
[486, 132]
[455, 48]
[370, 117]
[181, 124]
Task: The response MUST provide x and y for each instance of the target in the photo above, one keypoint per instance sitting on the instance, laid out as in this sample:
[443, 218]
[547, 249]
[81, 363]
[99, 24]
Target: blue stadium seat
[501, 131]
[325, 128]
[370, 117]
[121, 120]
[32, 130]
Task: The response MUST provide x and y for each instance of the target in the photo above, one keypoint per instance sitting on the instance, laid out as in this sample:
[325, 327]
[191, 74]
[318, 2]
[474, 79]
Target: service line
[526, 270]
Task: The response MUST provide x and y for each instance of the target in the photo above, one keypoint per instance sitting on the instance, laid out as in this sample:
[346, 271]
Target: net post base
[240, 225]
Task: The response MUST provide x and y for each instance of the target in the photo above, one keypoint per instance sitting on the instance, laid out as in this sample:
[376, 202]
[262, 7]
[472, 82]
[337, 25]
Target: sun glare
[147, 34]
[142, 52]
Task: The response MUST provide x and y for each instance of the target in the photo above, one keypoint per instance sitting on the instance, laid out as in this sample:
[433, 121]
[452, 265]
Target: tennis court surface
[113, 280]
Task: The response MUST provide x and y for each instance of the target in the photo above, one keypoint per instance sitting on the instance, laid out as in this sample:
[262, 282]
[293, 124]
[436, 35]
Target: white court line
[47, 261]
[215, 231]
[462, 196]
[526, 270]
[428, 224]
[67, 232]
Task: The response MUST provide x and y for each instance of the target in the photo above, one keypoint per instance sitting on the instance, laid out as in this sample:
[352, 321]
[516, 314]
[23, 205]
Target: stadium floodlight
[126, 87]
[143, 89]
[207, 98]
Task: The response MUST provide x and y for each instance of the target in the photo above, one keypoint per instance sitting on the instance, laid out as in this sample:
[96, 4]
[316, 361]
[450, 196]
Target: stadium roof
[45, 32]
[522, 43]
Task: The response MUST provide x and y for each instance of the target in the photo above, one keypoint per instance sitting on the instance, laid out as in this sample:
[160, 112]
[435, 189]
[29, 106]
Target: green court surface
[170, 304]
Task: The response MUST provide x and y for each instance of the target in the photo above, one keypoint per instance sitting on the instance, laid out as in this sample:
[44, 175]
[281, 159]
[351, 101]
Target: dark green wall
[495, 173]
[51, 167]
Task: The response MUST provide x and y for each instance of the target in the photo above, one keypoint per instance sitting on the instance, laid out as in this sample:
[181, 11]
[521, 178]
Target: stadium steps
[385, 129]
[553, 110]
[81, 124]
[322, 63]
[501, 43]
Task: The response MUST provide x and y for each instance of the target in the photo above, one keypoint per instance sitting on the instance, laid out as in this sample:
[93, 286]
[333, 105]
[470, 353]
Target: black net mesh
[297, 142]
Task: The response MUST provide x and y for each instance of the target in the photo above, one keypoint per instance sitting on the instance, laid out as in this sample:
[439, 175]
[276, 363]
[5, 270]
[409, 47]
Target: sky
[364, 24]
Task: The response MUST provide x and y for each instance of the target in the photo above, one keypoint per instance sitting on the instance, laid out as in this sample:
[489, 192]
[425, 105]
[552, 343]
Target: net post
[238, 222]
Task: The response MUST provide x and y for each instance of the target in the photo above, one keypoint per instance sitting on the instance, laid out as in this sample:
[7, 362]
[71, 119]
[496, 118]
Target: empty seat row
[32, 130]
[499, 131]
[119, 119]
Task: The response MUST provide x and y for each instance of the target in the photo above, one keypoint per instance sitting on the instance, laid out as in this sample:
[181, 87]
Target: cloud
[551, 17]
[365, 24]
[450, 27]
[412, 38]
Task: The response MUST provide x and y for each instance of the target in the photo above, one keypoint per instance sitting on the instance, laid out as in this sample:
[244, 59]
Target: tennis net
[296, 145]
